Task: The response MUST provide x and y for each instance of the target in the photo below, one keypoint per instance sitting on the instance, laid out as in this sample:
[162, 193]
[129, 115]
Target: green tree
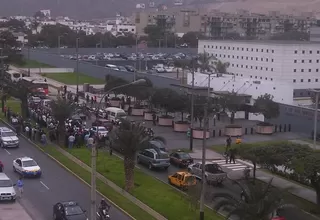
[165, 98]
[113, 81]
[221, 67]
[205, 62]
[7, 43]
[129, 138]
[258, 202]
[154, 33]
[62, 109]
[141, 91]
[191, 38]
[182, 104]
[232, 102]
[308, 166]
[265, 105]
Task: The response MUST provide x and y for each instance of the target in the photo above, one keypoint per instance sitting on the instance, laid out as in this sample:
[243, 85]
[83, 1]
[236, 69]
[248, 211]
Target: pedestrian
[154, 119]
[20, 185]
[44, 139]
[71, 140]
[232, 156]
[90, 141]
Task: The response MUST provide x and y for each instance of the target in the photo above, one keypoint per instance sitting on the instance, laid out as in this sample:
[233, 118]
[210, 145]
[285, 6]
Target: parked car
[154, 158]
[181, 159]
[182, 180]
[68, 211]
[213, 172]
[103, 122]
[7, 191]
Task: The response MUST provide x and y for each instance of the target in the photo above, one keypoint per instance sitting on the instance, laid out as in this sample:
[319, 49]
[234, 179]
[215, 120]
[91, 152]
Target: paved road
[56, 184]
[227, 187]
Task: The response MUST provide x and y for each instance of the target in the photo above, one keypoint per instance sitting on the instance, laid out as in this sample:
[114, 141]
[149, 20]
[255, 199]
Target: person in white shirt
[71, 140]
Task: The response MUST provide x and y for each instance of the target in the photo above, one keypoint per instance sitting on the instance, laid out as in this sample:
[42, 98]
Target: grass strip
[106, 190]
[161, 197]
[33, 64]
[71, 78]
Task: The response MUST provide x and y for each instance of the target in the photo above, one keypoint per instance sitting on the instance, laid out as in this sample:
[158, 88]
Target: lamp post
[94, 151]
[192, 105]
[77, 65]
[315, 125]
[28, 59]
[59, 44]
[98, 44]
[203, 173]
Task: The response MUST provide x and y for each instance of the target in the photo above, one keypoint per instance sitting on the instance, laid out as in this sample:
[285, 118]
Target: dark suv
[154, 158]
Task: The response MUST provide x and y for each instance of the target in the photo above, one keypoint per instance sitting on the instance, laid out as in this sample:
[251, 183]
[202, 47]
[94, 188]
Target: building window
[241, 57]
[251, 67]
[237, 48]
[260, 68]
[272, 51]
[309, 80]
[302, 70]
[266, 68]
[316, 80]
[318, 51]
[247, 66]
[241, 74]
[261, 50]
[302, 61]
[266, 78]
[232, 56]
[260, 77]
[271, 69]
[317, 61]
[274, 88]
[242, 48]
[267, 59]
[232, 48]
[220, 47]
[256, 67]
[224, 56]
[295, 51]
[261, 59]
[247, 49]
[310, 61]
[301, 80]
[250, 76]
[237, 65]
[247, 58]
[303, 52]
[204, 46]
[295, 61]
[309, 70]
[241, 66]
[228, 48]
[257, 50]
[228, 56]
[232, 64]
[255, 77]
[267, 51]
[317, 70]
[237, 57]
[294, 80]
[256, 58]
[295, 70]
[310, 51]
[271, 79]
[251, 49]
[251, 58]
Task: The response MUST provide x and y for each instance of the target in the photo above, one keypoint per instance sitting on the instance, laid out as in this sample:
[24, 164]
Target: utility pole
[93, 181]
[192, 112]
[205, 129]
[59, 44]
[315, 118]
[137, 57]
[28, 60]
[77, 65]
[159, 40]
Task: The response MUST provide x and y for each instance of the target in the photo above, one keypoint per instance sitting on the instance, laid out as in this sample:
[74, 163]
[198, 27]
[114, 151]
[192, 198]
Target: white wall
[282, 92]
[269, 60]
[49, 70]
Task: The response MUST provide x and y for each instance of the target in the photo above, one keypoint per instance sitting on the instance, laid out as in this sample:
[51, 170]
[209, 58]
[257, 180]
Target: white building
[126, 28]
[296, 63]
[46, 12]
[281, 91]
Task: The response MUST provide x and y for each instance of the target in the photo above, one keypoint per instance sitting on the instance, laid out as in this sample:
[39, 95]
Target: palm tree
[205, 62]
[62, 109]
[129, 138]
[257, 201]
[183, 64]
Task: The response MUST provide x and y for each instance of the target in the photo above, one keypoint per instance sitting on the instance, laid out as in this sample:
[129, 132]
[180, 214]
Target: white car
[7, 191]
[100, 130]
[8, 138]
[26, 167]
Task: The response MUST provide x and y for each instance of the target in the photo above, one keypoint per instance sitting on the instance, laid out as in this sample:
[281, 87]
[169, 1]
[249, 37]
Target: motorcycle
[104, 215]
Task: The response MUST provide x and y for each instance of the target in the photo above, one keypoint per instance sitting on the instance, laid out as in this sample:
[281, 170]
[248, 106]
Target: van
[115, 113]
[7, 191]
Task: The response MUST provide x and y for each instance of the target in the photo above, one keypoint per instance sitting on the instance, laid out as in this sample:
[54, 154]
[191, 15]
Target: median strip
[159, 196]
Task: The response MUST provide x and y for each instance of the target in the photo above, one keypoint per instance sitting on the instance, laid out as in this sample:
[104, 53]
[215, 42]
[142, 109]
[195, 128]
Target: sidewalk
[295, 189]
[13, 211]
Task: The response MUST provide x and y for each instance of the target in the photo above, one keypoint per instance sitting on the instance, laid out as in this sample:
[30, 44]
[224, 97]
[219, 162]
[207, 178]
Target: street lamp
[77, 66]
[98, 44]
[94, 151]
[315, 117]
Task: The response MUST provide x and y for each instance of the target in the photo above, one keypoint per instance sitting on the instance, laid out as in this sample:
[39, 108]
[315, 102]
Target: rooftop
[268, 42]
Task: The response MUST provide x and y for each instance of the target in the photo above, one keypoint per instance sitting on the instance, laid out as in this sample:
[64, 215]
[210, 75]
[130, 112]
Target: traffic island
[137, 111]
[265, 128]
[233, 130]
[165, 120]
[181, 126]
[115, 102]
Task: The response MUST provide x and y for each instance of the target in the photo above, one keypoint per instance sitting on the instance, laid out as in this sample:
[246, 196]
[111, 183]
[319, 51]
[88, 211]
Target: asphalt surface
[289, 214]
[55, 185]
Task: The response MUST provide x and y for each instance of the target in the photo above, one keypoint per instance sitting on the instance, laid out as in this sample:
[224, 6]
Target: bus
[39, 85]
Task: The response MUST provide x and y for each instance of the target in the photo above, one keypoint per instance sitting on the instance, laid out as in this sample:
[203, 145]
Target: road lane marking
[7, 151]
[44, 185]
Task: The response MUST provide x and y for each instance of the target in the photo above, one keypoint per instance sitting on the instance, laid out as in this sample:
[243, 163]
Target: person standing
[71, 140]
[20, 185]
[90, 141]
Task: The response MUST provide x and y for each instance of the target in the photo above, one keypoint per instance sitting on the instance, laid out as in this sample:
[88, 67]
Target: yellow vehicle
[182, 180]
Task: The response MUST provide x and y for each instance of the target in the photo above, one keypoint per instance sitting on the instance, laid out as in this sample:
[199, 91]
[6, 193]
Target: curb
[70, 171]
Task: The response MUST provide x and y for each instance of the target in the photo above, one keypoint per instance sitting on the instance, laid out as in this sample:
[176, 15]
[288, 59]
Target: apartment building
[174, 20]
[297, 63]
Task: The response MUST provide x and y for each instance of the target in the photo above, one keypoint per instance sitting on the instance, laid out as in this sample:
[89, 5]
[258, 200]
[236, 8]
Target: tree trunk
[254, 171]
[129, 164]
[24, 108]
[181, 116]
[232, 118]
[62, 133]
[2, 103]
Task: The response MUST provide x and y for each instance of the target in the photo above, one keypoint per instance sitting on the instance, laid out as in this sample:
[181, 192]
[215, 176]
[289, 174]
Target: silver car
[154, 158]
[7, 191]
[8, 138]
